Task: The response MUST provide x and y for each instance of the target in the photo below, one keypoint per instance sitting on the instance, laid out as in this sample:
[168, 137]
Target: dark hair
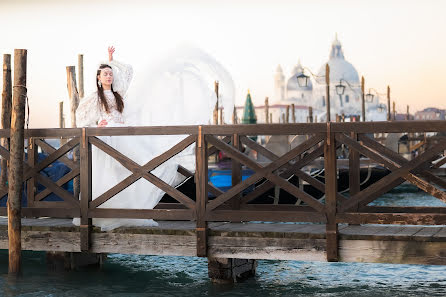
[119, 101]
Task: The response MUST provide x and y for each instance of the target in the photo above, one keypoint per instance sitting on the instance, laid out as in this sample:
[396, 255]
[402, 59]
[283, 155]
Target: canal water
[130, 275]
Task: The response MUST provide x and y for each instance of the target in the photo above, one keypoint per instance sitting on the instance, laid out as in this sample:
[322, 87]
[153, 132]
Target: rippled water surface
[130, 275]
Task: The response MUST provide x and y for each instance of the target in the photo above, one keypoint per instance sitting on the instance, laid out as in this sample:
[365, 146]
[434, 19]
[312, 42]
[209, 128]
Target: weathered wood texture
[228, 270]
[15, 178]
[368, 243]
[6, 113]
[330, 195]
[74, 103]
[80, 64]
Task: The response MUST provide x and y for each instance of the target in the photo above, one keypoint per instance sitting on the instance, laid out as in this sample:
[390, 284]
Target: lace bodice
[90, 111]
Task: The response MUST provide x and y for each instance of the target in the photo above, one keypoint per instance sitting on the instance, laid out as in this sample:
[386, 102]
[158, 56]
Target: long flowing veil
[179, 90]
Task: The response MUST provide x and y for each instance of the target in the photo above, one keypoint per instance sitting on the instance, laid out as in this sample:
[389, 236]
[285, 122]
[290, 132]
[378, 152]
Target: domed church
[288, 93]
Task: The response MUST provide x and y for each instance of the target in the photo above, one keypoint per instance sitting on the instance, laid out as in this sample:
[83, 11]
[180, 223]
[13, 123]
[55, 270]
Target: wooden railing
[322, 140]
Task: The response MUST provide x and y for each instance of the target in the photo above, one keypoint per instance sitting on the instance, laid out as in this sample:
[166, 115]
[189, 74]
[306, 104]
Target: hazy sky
[396, 43]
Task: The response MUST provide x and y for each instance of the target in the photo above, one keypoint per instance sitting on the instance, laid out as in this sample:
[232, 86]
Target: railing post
[354, 169]
[85, 191]
[236, 172]
[330, 195]
[202, 193]
[31, 183]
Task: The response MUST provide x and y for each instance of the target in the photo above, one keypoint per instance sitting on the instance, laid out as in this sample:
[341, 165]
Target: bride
[177, 91]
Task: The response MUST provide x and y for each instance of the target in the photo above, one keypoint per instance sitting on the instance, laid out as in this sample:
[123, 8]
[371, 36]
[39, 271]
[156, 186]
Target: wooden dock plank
[398, 252]
[426, 233]
[357, 243]
[267, 248]
[440, 234]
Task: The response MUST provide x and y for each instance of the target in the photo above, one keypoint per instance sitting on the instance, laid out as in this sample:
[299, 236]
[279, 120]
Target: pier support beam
[228, 270]
[66, 261]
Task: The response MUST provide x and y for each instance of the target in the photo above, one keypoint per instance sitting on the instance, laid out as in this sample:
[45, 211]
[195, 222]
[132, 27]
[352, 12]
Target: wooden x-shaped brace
[139, 171]
[294, 169]
[30, 172]
[401, 171]
[266, 172]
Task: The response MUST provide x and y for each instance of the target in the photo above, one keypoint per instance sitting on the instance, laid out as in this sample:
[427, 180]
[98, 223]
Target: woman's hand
[111, 50]
[103, 123]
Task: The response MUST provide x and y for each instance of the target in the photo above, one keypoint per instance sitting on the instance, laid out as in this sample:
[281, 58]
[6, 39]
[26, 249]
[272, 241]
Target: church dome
[292, 81]
[339, 67]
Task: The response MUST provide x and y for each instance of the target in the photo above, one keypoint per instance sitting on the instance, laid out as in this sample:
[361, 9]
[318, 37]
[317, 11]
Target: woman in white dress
[177, 91]
[104, 108]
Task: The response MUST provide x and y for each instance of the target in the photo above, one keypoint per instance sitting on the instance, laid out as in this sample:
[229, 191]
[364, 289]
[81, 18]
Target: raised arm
[122, 73]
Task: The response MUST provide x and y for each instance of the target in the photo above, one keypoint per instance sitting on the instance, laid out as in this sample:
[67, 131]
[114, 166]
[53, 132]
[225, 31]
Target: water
[131, 275]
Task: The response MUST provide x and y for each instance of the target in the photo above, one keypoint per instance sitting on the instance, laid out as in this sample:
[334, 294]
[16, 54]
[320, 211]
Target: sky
[396, 43]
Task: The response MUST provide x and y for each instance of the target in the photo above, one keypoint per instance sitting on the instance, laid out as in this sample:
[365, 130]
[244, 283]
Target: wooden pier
[337, 228]
[272, 241]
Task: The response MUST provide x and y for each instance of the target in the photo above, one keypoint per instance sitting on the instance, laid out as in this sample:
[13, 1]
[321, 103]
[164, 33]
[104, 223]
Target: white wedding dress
[177, 91]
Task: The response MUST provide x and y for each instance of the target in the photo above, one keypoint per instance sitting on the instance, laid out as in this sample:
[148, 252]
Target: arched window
[347, 98]
[323, 100]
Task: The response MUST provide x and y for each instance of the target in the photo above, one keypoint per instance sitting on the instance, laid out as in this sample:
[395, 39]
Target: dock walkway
[274, 241]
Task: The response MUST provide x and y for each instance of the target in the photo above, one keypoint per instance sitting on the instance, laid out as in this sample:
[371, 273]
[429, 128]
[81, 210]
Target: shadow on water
[131, 275]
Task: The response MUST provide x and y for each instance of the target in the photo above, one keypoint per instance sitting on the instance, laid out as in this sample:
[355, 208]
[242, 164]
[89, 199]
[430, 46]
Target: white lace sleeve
[122, 76]
[88, 113]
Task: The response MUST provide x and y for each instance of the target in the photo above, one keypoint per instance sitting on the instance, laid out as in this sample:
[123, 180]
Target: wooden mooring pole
[16, 161]
[80, 64]
[74, 103]
[216, 104]
[6, 113]
[327, 91]
[293, 113]
[363, 99]
[266, 110]
[389, 117]
[61, 117]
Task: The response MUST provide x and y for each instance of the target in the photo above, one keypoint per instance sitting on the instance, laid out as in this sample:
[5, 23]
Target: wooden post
[61, 117]
[283, 118]
[389, 117]
[310, 114]
[330, 195]
[327, 82]
[31, 184]
[72, 93]
[266, 110]
[354, 168]
[80, 64]
[394, 112]
[362, 99]
[74, 103]
[271, 118]
[407, 113]
[16, 161]
[6, 113]
[216, 104]
[234, 116]
[201, 174]
[287, 117]
[236, 172]
[293, 113]
[86, 186]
